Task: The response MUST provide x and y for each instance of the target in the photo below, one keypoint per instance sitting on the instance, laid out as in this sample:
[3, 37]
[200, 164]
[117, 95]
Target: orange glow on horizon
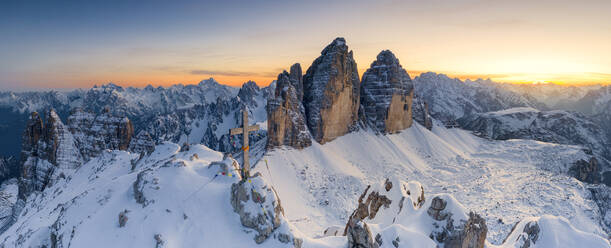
[262, 81]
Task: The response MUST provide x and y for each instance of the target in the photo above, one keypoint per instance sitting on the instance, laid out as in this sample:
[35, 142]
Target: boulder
[386, 95]
[331, 93]
[260, 209]
[359, 235]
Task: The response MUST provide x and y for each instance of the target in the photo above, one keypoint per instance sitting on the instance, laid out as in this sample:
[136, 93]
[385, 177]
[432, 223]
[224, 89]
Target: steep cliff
[331, 93]
[95, 133]
[49, 150]
[286, 124]
[386, 95]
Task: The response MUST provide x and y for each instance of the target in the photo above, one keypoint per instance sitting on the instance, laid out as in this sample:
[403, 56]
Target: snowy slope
[175, 198]
[504, 181]
[181, 204]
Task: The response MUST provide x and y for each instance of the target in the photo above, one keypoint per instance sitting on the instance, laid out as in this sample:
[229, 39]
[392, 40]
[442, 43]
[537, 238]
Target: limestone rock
[258, 206]
[464, 234]
[421, 113]
[143, 142]
[95, 133]
[386, 95]
[586, 171]
[286, 124]
[359, 235]
[331, 93]
[471, 235]
[48, 151]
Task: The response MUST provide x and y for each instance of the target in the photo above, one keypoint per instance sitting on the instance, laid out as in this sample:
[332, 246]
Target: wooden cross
[244, 130]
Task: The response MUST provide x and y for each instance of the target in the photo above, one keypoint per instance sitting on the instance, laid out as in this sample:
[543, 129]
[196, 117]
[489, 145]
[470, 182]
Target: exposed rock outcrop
[386, 95]
[95, 133]
[286, 124]
[586, 171]
[359, 235]
[48, 151]
[331, 93]
[421, 113]
[396, 202]
[260, 209]
[143, 142]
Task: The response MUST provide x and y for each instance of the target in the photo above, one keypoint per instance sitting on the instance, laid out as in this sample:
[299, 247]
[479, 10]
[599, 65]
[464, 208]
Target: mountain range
[382, 160]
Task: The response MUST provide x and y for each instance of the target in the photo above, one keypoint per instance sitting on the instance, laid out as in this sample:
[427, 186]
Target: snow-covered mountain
[179, 113]
[554, 96]
[450, 99]
[556, 126]
[179, 197]
[344, 164]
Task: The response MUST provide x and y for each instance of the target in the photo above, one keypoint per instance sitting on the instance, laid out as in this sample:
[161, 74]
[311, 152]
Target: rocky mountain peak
[331, 93]
[386, 57]
[286, 114]
[337, 45]
[209, 81]
[48, 150]
[95, 133]
[387, 92]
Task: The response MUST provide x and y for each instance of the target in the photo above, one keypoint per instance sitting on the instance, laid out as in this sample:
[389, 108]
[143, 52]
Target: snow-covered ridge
[181, 197]
[450, 99]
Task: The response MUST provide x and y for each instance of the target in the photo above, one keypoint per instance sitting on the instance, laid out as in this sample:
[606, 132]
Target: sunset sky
[71, 44]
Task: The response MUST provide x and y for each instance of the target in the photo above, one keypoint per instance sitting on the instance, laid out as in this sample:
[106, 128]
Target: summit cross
[244, 130]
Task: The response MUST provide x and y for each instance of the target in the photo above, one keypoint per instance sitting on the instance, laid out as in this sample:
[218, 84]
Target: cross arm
[240, 130]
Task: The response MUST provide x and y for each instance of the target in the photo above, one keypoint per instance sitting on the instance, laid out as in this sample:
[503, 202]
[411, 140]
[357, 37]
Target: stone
[123, 218]
[436, 209]
[49, 150]
[331, 93]
[258, 206]
[471, 235]
[386, 95]
[142, 143]
[139, 185]
[586, 171]
[158, 241]
[286, 124]
[421, 113]
[359, 235]
[95, 133]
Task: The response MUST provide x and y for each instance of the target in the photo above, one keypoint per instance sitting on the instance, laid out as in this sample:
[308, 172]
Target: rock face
[395, 202]
[386, 95]
[285, 112]
[586, 171]
[421, 113]
[142, 143]
[259, 209]
[359, 235]
[95, 133]
[331, 93]
[471, 233]
[48, 150]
